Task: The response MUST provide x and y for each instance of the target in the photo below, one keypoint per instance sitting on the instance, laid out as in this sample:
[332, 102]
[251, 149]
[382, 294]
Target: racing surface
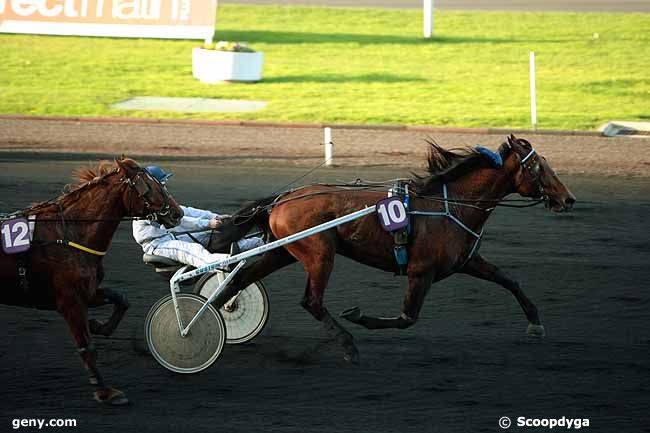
[465, 364]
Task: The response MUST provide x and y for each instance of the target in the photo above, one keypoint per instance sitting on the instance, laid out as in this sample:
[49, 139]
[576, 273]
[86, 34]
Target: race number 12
[15, 235]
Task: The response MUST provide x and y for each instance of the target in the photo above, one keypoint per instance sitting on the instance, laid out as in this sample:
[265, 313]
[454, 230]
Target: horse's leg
[316, 253]
[480, 268]
[318, 272]
[75, 312]
[418, 285]
[120, 305]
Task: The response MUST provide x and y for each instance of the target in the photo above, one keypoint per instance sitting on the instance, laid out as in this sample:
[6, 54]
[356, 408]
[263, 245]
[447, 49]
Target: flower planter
[213, 66]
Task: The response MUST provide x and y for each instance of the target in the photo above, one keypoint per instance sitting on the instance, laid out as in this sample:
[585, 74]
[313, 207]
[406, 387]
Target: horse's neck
[484, 184]
[486, 187]
[101, 202]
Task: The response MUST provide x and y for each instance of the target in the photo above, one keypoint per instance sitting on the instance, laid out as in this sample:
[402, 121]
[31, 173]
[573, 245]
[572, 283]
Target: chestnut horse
[438, 246]
[64, 264]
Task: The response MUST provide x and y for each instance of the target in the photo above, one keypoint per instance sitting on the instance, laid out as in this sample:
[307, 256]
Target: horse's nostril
[569, 201]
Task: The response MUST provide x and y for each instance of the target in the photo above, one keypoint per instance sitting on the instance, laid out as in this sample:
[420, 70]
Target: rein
[376, 188]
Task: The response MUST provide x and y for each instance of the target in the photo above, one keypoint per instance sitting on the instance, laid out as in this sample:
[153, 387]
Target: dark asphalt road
[464, 365]
[489, 5]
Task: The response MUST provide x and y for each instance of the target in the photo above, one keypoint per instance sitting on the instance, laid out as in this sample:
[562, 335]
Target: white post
[427, 10]
[328, 146]
[533, 92]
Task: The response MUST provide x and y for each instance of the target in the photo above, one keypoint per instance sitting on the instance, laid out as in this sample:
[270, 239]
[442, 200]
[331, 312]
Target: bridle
[531, 164]
[138, 184]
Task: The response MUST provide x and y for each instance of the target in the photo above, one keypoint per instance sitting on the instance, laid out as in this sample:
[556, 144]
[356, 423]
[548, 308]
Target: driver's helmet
[158, 173]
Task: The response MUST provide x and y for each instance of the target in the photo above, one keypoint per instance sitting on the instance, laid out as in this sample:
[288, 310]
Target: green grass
[358, 66]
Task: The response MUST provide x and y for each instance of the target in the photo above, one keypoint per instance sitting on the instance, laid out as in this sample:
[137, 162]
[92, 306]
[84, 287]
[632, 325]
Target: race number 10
[15, 235]
[392, 214]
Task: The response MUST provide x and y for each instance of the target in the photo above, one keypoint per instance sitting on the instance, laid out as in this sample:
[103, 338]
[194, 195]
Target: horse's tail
[241, 223]
[255, 213]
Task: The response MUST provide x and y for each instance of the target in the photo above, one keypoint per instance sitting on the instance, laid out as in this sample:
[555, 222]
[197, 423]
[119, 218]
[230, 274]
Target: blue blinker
[494, 157]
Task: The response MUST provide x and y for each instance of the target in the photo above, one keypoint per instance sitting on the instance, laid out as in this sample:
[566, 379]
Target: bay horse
[475, 181]
[64, 265]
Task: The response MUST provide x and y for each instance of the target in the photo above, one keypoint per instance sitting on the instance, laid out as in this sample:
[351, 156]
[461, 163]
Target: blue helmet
[158, 173]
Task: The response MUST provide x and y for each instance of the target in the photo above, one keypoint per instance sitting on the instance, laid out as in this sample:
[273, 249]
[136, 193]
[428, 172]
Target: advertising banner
[174, 19]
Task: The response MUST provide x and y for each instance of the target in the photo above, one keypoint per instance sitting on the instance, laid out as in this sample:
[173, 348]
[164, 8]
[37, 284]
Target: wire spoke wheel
[246, 314]
[195, 352]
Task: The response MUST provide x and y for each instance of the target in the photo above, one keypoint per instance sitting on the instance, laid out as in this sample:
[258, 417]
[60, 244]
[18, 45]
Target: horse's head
[146, 196]
[533, 177]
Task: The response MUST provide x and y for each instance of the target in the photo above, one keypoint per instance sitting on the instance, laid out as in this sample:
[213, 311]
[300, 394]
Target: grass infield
[345, 65]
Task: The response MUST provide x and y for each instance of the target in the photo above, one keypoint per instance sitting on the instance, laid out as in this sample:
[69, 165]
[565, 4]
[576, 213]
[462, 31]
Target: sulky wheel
[195, 352]
[245, 314]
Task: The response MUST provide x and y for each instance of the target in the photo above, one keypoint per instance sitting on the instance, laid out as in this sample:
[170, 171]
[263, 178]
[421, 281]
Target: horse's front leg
[418, 285]
[75, 312]
[120, 305]
[478, 267]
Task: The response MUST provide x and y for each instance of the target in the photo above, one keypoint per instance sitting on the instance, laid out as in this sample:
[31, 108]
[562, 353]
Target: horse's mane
[445, 165]
[90, 174]
[86, 176]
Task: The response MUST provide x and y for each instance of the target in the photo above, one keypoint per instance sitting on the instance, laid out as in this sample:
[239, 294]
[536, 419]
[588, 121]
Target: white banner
[176, 19]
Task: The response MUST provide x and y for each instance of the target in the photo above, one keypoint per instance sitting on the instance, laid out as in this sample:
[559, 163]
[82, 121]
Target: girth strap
[81, 247]
[401, 236]
[22, 262]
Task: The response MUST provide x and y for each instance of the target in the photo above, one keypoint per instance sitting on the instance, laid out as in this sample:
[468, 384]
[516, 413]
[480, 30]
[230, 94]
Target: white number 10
[394, 214]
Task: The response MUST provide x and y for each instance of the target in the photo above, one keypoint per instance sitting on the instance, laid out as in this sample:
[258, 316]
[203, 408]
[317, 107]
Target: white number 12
[21, 240]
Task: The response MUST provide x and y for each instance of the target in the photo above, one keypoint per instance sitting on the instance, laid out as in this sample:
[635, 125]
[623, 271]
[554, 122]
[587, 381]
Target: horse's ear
[123, 164]
[512, 139]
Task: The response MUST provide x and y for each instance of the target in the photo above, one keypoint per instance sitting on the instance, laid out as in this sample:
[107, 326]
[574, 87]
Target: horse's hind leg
[312, 301]
[317, 256]
[419, 284]
[75, 312]
[480, 268]
[120, 305]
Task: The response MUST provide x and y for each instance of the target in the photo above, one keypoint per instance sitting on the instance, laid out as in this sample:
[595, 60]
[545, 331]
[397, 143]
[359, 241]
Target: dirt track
[270, 146]
[464, 365]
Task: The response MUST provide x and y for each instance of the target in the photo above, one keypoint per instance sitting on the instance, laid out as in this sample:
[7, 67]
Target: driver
[188, 242]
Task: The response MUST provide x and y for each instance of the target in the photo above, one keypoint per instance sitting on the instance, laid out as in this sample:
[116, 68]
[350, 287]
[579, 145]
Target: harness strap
[447, 213]
[401, 236]
[81, 247]
[22, 263]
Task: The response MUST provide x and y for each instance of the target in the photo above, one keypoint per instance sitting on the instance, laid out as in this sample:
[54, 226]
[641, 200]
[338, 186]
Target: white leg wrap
[249, 243]
[536, 330]
[189, 253]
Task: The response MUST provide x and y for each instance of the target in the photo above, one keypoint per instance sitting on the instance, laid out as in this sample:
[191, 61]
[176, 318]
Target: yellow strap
[86, 249]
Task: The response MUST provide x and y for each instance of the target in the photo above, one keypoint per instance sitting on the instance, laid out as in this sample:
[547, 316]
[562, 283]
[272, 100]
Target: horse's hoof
[536, 330]
[94, 326]
[352, 356]
[111, 397]
[352, 314]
